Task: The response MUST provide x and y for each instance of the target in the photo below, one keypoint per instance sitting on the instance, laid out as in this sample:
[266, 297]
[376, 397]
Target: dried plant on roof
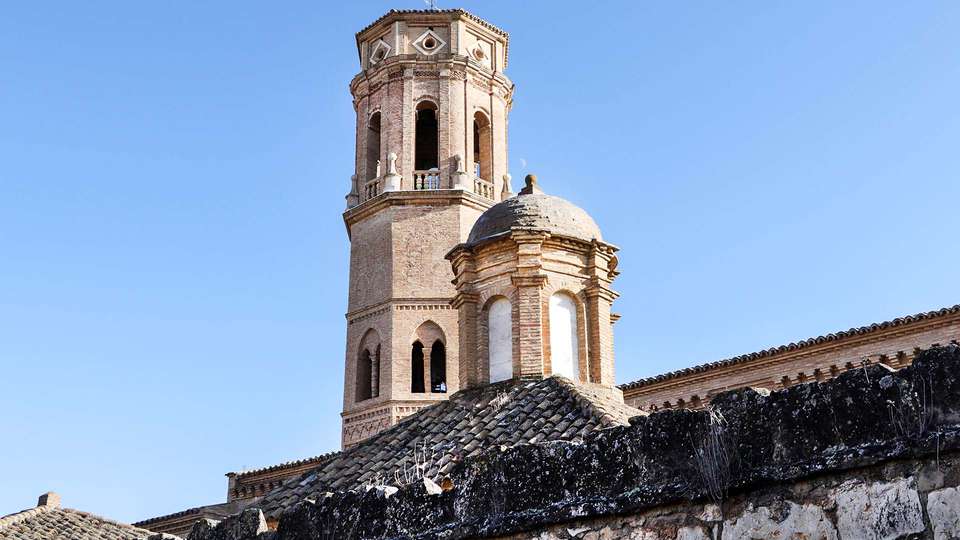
[416, 466]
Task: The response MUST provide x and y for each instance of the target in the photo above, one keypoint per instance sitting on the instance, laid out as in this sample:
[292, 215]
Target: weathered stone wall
[870, 454]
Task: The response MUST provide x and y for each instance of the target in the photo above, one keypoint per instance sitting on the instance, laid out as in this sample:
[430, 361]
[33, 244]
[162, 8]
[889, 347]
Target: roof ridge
[586, 402]
[285, 464]
[796, 345]
[23, 515]
[104, 519]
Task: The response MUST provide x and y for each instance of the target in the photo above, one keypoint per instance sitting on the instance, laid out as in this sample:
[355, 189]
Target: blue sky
[173, 262]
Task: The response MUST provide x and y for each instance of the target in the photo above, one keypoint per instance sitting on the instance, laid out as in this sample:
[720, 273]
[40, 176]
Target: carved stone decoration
[379, 51]
[429, 43]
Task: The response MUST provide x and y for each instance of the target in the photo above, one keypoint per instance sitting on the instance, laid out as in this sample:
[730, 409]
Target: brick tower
[432, 105]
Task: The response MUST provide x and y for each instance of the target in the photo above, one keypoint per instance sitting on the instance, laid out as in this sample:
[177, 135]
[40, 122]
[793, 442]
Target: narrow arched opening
[364, 376]
[373, 147]
[416, 368]
[482, 147]
[500, 339]
[426, 149]
[438, 368]
[564, 341]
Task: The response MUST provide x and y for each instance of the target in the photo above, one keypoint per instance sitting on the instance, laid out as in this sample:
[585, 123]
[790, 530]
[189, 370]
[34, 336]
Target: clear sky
[173, 262]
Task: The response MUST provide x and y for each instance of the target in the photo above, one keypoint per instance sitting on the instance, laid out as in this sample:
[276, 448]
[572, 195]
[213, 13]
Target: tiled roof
[50, 522]
[837, 336]
[216, 511]
[461, 12]
[287, 465]
[470, 421]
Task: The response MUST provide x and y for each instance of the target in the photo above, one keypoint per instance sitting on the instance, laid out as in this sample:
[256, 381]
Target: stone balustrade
[484, 189]
[426, 179]
[370, 190]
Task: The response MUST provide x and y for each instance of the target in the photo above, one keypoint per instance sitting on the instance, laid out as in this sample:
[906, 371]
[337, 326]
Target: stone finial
[531, 187]
[392, 180]
[50, 499]
[378, 169]
[392, 163]
[459, 161]
[507, 190]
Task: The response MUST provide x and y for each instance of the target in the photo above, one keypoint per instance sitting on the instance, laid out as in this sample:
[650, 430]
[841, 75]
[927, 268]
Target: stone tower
[432, 104]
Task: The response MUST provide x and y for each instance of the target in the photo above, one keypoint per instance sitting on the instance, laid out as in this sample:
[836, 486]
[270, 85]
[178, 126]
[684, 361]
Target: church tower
[432, 104]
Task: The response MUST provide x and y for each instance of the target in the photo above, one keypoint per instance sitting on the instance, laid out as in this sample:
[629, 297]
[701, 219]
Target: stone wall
[870, 454]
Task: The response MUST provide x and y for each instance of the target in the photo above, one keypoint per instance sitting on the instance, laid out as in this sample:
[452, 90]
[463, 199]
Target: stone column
[426, 369]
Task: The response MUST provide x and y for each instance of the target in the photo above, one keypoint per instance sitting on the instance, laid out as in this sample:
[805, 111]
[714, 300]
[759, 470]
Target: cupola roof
[533, 209]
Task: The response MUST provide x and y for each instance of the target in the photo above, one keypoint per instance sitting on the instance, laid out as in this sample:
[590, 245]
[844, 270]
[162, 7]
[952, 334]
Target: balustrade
[371, 189]
[426, 179]
[484, 189]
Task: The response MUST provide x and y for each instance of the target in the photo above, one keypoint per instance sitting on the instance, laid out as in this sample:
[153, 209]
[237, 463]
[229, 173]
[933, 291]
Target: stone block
[943, 508]
[878, 510]
[790, 521]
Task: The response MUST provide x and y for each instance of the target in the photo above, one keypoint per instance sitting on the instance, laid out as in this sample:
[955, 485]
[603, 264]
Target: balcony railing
[484, 189]
[426, 179]
[370, 190]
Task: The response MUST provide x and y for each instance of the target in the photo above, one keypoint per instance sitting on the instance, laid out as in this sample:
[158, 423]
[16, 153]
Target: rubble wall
[870, 454]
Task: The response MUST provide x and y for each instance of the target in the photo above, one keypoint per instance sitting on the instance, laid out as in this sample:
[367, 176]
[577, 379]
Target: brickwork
[402, 222]
[894, 346]
[527, 268]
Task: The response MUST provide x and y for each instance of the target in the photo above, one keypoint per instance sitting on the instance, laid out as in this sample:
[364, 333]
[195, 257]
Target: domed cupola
[534, 210]
[533, 293]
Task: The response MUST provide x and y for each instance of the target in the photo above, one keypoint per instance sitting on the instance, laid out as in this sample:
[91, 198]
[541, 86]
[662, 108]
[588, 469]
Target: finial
[378, 169]
[392, 163]
[507, 190]
[459, 163]
[531, 187]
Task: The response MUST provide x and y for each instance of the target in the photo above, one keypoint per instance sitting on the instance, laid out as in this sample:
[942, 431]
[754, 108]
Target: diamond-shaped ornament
[379, 51]
[429, 43]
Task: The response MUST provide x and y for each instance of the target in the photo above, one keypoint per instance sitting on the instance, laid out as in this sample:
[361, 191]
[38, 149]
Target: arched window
[426, 150]
[482, 151]
[364, 376]
[500, 339]
[368, 367]
[416, 371]
[373, 146]
[564, 344]
[438, 367]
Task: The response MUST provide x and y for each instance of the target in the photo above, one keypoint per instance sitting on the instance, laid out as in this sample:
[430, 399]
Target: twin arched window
[428, 360]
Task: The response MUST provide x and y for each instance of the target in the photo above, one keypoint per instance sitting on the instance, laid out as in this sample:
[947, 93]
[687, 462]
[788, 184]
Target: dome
[535, 210]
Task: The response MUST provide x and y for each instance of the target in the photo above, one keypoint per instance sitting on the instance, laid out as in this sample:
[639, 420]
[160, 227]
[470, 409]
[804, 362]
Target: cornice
[433, 197]
[900, 326]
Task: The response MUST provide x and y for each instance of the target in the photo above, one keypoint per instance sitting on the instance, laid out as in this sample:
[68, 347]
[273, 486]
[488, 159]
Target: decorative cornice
[431, 197]
[930, 317]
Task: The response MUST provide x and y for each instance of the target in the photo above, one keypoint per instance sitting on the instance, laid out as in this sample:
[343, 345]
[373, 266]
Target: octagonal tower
[432, 104]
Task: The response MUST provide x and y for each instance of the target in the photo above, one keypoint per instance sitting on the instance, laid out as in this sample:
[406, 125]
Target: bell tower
[432, 102]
